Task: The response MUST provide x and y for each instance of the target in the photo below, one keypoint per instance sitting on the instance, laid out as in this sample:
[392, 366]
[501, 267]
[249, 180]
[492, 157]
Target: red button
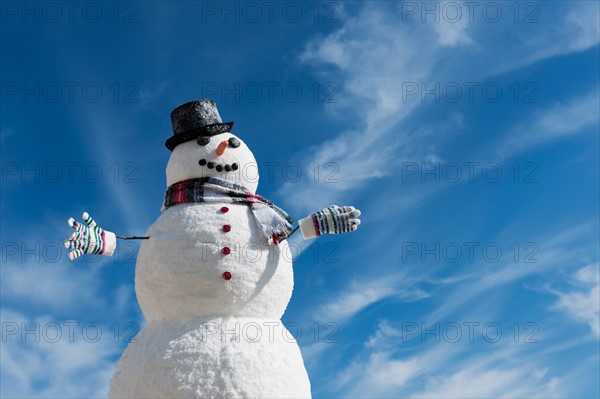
[224, 209]
[226, 228]
[226, 251]
[227, 276]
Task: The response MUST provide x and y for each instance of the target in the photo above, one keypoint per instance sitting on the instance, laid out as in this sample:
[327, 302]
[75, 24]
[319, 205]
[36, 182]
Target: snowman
[213, 274]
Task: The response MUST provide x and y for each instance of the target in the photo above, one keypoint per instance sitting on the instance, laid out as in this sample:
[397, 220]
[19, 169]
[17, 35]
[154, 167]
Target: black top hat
[194, 119]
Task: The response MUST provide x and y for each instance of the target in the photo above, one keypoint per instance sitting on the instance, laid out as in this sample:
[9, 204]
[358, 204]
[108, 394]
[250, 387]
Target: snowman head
[203, 146]
[222, 155]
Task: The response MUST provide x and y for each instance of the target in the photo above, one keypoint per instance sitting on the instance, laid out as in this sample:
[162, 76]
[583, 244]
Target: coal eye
[203, 140]
[234, 143]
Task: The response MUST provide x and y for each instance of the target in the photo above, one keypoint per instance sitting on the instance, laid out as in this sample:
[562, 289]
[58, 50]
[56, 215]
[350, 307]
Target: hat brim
[209, 130]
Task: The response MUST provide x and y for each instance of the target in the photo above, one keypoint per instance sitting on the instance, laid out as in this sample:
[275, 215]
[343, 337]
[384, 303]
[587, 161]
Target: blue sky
[467, 133]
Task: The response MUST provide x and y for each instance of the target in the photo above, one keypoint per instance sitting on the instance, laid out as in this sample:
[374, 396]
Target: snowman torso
[208, 260]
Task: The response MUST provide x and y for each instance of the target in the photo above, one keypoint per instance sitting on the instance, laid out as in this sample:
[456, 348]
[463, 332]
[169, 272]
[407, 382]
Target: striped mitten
[90, 239]
[332, 220]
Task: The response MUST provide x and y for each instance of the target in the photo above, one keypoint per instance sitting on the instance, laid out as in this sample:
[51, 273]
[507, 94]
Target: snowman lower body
[224, 357]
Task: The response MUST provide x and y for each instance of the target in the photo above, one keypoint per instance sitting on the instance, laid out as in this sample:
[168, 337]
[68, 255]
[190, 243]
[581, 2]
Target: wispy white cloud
[453, 28]
[393, 364]
[361, 52]
[582, 303]
[54, 361]
[383, 335]
[374, 54]
[559, 249]
[534, 31]
[476, 381]
[52, 286]
[559, 121]
[358, 295]
[354, 299]
[36, 262]
[44, 293]
[445, 370]
[377, 52]
[380, 375]
[574, 28]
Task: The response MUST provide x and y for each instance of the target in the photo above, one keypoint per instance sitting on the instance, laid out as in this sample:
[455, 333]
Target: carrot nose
[221, 148]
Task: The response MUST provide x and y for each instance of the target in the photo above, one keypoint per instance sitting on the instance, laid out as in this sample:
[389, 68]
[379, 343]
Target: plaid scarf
[275, 224]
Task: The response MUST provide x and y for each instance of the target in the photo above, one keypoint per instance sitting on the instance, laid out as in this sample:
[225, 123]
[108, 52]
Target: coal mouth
[219, 167]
